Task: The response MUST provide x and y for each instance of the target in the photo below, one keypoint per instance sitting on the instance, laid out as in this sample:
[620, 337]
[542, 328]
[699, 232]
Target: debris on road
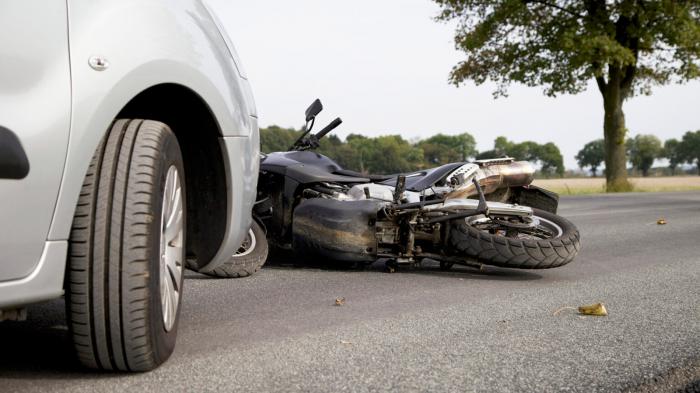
[345, 342]
[340, 301]
[597, 309]
[661, 221]
[594, 309]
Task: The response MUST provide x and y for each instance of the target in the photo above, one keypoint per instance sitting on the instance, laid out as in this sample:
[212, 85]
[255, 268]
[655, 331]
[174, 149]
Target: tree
[592, 155]
[625, 46]
[384, 154]
[690, 148]
[673, 154]
[442, 149]
[275, 138]
[643, 150]
[551, 159]
[548, 155]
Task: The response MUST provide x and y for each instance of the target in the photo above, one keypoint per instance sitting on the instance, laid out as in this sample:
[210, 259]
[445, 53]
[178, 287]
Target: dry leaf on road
[597, 309]
[594, 309]
[340, 301]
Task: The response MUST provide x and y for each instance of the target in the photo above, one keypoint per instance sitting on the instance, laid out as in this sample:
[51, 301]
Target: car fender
[119, 49]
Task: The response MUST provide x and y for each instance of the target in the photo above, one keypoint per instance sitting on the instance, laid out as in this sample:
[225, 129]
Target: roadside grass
[583, 186]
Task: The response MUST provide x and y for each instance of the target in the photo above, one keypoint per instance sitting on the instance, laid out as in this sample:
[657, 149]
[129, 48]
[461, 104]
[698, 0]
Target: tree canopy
[442, 149]
[690, 148]
[673, 153]
[643, 150]
[547, 155]
[592, 155]
[393, 154]
[625, 46]
[564, 44]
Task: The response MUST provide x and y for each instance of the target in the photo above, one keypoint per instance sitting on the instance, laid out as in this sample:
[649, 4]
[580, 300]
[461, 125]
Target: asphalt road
[423, 329]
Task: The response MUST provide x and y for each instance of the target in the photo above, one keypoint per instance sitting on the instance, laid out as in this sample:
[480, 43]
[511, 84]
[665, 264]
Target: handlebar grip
[335, 123]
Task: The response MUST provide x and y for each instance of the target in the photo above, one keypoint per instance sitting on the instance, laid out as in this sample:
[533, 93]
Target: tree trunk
[615, 130]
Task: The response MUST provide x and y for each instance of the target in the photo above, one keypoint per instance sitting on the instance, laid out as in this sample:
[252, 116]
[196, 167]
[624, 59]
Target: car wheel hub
[171, 243]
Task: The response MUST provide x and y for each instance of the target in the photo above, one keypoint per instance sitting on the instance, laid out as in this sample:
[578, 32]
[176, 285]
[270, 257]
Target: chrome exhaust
[491, 175]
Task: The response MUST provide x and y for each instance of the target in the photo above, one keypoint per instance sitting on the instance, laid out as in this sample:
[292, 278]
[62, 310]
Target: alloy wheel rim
[534, 232]
[171, 243]
[248, 245]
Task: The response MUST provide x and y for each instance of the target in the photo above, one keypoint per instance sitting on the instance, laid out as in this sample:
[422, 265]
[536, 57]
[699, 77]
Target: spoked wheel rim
[248, 245]
[525, 228]
[171, 239]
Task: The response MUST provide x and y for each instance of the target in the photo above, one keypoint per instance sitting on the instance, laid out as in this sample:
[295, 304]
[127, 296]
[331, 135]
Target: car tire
[127, 250]
[249, 258]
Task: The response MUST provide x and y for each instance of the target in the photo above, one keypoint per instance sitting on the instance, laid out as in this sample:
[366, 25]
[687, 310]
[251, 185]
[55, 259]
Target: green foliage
[592, 155]
[275, 138]
[562, 44]
[548, 155]
[626, 46]
[643, 150]
[689, 148]
[385, 154]
[442, 149]
[673, 154]
[393, 154]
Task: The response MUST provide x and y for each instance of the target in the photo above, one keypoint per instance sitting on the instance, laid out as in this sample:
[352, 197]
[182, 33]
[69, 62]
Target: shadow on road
[427, 267]
[40, 346]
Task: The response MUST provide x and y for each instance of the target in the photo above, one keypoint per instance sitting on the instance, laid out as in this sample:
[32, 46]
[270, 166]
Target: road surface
[423, 329]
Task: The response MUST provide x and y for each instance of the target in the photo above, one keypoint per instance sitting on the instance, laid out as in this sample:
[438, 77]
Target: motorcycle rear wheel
[553, 243]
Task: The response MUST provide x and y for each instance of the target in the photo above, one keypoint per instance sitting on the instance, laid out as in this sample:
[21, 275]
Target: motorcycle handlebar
[335, 123]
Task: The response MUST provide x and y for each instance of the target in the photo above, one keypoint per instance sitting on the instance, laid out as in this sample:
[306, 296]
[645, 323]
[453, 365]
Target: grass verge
[583, 186]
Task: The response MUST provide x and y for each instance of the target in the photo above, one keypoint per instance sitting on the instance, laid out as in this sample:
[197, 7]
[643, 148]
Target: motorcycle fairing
[307, 167]
[341, 230]
[423, 180]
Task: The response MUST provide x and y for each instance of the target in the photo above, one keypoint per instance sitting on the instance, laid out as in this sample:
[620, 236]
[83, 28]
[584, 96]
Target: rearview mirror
[314, 109]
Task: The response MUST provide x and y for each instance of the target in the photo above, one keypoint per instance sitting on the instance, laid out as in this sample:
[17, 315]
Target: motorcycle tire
[249, 258]
[498, 250]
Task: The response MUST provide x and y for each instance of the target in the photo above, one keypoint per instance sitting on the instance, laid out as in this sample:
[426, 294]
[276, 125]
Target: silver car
[128, 151]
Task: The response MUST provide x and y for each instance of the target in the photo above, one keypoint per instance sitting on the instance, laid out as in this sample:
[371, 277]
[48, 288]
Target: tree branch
[553, 5]
[597, 11]
[601, 84]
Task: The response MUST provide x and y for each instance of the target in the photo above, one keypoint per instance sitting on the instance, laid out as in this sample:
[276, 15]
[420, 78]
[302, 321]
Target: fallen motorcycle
[481, 212]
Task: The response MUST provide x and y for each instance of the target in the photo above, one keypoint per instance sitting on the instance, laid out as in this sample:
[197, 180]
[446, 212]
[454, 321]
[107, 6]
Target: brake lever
[483, 207]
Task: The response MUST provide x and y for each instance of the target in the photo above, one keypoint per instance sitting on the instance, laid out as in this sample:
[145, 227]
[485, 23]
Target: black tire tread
[246, 265]
[108, 250]
[517, 253]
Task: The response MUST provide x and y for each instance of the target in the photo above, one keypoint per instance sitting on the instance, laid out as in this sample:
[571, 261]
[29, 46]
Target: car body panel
[44, 283]
[35, 105]
[142, 43]
[239, 190]
[165, 42]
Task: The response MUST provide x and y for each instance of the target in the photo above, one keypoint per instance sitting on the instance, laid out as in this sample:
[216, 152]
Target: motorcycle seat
[373, 178]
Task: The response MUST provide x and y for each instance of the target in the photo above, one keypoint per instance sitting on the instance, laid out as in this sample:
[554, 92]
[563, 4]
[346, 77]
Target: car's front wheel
[127, 250]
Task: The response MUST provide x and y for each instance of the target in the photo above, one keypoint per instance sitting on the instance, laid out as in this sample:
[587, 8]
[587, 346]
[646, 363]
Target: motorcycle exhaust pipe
[492, 175]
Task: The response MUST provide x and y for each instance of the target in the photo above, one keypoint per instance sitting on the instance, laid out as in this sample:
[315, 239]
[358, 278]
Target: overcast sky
[383, 67]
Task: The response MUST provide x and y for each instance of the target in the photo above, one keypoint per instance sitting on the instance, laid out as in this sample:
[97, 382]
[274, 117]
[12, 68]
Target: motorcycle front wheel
[545, 241]
[249, 258]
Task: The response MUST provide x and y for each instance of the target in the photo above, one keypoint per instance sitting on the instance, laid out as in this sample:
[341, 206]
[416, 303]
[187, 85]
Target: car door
[35, 105]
